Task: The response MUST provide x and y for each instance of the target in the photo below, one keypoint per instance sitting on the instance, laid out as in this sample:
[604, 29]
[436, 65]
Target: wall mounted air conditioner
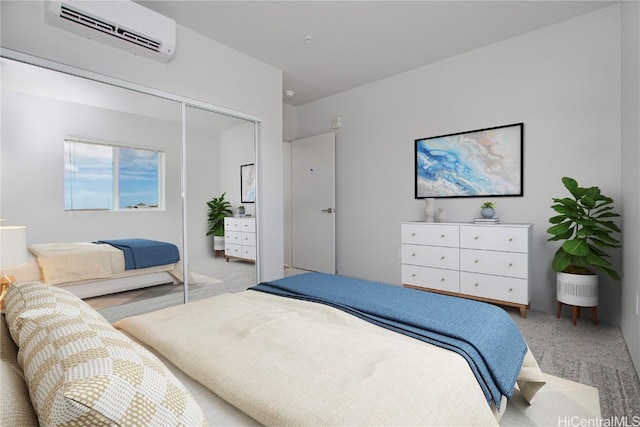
[122, 24]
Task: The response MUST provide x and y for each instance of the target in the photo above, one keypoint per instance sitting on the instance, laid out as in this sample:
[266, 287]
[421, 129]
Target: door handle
[328, 210]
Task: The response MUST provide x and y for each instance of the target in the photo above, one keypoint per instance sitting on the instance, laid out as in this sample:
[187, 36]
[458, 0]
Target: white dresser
[489, 262]
[240, 238]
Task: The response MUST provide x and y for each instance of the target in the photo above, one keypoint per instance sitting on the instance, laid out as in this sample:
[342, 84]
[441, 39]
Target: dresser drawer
[249, 252]
[431, 256]
[494, 287]
[430, 234]
[511, 264]
[433, 278]
[495, 238]
[232, 224]
[232, 237]
[249, 239]
[248, 225]
[232, 250]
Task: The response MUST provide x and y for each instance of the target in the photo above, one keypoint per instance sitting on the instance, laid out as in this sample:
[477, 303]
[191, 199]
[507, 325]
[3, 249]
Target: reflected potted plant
[584, 226]
[219, 209]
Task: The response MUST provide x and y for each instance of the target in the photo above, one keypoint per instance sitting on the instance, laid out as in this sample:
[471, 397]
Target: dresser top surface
[457, 223]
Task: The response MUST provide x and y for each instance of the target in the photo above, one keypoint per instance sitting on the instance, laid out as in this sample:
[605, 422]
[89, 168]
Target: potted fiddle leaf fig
[219, 208]
[583, 224]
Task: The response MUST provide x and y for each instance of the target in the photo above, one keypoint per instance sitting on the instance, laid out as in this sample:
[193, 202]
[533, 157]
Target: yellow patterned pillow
[35, 299]
[15, 405]
[82, 371]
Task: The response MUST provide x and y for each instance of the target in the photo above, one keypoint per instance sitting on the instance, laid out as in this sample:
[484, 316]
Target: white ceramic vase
[430, 209]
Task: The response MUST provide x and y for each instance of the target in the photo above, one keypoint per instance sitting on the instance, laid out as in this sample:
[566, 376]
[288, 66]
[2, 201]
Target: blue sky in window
[89, 176]
[138, 177]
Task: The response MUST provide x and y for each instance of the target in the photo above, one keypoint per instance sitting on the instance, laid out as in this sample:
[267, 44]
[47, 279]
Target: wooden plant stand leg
[576, 314]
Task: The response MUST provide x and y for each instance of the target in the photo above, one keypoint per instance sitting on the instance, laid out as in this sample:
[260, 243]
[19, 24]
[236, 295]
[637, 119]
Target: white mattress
[123, 281]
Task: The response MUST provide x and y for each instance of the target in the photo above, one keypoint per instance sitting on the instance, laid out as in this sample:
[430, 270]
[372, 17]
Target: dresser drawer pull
[413, 275]
[511, 239]
[442, 279]
[442, 236]
[476, 285]
[476, 238]
[413, 254]
[413, 234]
[510, 289]
[476, 261]
[510, 264]
[442, 257]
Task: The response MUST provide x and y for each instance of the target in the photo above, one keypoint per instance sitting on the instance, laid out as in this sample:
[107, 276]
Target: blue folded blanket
[485, 335]
[143, 253]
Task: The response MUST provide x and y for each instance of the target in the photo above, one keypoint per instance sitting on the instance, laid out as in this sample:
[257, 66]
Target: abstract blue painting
[247, 183]
[478, 163]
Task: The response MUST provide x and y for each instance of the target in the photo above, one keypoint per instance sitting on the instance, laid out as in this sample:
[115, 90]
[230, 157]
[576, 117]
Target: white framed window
[105, 176]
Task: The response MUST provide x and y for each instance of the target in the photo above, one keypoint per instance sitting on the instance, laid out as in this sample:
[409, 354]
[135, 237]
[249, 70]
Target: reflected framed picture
[247, 183]
[478, 163]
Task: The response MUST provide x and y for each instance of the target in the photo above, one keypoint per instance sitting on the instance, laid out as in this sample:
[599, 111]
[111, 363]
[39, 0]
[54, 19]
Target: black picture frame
[485, 162]
[247, 183]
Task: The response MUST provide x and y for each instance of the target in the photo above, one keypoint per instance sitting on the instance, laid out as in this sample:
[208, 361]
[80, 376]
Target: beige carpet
[196, 282]
[559, 403]
[202, 280]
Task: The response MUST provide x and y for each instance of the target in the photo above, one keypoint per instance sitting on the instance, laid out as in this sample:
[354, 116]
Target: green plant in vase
[488, 209]
[219, 208]
[584, 225]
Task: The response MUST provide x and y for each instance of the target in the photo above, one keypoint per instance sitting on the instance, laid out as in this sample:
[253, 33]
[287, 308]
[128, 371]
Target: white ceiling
[358, 42]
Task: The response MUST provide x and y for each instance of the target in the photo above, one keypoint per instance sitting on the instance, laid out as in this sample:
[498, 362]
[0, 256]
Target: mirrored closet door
[221, 237]
[85, 161]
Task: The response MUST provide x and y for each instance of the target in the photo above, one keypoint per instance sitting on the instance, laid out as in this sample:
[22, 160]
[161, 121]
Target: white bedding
[76, 261]
[89, 269]
[290, 362]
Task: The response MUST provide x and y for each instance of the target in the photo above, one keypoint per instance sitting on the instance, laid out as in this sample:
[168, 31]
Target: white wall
[630, 322]
[562, 81]
[203, 183]
[202, 69]
[237, 149]
[290, 130]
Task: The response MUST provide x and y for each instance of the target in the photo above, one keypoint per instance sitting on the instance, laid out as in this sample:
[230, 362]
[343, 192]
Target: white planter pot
[218, 243]
[577, 289]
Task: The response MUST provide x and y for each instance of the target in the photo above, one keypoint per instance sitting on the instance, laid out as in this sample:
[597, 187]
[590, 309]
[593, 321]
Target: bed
[89, 269]
[243, 359]
[309, 350]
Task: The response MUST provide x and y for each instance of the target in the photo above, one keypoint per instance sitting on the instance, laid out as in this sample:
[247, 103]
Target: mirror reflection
[221, 237]
[86, 162]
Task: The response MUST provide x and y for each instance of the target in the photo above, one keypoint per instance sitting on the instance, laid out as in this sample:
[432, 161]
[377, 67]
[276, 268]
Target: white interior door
[313, 203]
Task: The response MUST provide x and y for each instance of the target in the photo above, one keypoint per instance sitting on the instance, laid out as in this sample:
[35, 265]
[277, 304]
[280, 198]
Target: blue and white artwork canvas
[247, 183]
[484, 162]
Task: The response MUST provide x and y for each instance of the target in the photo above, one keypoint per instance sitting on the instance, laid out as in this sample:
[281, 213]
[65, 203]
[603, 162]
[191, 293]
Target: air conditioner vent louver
[108, 28]
[122, 24]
